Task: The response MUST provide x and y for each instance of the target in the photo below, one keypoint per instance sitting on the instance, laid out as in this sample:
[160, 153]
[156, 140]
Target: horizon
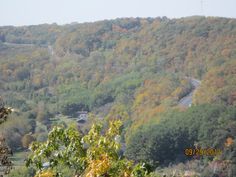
[76, 22]
[33, 12]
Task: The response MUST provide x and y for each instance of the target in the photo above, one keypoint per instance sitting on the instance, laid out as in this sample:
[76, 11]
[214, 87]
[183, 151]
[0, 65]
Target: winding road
[187, 100]
[184, 102]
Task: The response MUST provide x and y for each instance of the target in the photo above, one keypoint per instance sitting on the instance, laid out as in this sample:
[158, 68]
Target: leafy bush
[22, 172]
[94, 154]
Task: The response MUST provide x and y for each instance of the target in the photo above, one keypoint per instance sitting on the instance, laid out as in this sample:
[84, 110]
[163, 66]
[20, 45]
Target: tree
[27, 140]
[22, 73]
[4, 112]
[22, 172]
[209, 126]
[95, 154]
[42, 113]
[5, 151]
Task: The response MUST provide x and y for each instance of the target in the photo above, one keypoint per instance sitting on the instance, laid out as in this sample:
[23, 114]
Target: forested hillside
[133, 69]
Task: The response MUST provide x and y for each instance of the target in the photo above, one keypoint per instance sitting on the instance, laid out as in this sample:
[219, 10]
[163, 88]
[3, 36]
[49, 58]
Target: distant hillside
[138, 67]
[92, 56]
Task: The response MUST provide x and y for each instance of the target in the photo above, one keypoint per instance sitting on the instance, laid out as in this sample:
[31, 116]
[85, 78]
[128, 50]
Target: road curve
[187, 100]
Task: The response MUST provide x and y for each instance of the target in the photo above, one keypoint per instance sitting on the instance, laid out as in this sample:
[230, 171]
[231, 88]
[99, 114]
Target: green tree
[22, 172]
[208, 126]
[95, 154]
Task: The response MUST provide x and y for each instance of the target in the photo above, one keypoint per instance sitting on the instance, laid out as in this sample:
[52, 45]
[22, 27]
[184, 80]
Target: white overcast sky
[31, 12]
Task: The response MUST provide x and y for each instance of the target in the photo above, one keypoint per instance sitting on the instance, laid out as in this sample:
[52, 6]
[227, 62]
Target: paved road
[187, 100]
[50, 48]
[25, 45]
[18, 45]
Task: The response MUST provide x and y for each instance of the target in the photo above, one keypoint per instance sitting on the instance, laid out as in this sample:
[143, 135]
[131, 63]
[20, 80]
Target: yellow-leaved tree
[95, 154]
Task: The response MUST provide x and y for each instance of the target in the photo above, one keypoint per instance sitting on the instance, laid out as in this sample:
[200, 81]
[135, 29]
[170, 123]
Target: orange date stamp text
[202, 152]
